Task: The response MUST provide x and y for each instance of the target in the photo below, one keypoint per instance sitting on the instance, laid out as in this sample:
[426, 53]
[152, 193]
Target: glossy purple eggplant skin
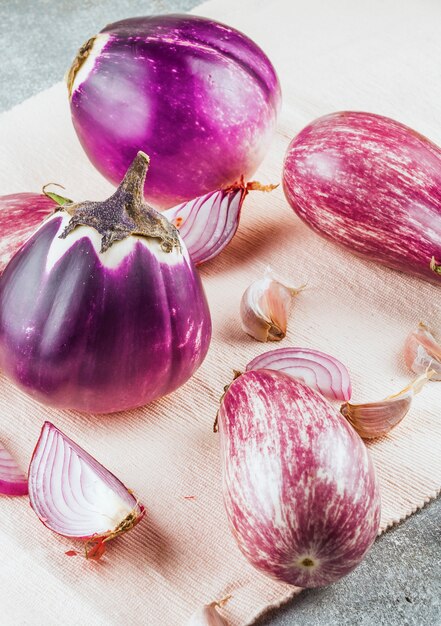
[370, 184]
[299, 486]
[99, 339]
[200, 97]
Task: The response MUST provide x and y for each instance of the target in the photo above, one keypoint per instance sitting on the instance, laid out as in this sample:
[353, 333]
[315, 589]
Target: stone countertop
[399, 582]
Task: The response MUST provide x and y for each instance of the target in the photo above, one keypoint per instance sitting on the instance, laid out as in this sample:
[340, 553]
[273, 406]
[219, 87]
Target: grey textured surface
[399, 582]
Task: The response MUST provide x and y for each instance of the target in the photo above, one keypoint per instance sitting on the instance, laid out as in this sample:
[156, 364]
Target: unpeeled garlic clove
[265, 306]
[421, 351]
[375, 419]
[208, 615]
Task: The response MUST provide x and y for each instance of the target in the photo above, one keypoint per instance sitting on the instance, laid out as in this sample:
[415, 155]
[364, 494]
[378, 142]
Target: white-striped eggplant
[371, 184]
[102, 309]
[299, 486]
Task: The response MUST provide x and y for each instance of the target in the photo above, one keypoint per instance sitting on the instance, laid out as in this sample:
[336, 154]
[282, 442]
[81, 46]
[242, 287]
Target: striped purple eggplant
[20, 214]
[371, 184]
[200, 97]
[300, 489]
[102, 309]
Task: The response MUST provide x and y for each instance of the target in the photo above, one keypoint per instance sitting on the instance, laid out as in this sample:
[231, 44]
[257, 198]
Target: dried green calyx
[125, 213]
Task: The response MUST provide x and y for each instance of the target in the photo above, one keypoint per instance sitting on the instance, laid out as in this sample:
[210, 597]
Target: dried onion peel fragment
[208, 615]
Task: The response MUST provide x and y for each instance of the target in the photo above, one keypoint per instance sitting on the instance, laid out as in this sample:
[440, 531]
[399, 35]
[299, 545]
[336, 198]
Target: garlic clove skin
[265, 307]
[421, 351]
[376, 419]
[207, 615]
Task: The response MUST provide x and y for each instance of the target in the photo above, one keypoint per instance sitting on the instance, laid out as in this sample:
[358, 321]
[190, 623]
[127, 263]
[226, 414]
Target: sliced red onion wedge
[318, 370]
[207, 224]
[75, 496]
[13, 482]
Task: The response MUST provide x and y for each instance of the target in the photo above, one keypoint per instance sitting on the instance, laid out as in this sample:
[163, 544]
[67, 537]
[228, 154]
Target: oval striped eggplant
[371, 184]
[299, 486]
[102, 309]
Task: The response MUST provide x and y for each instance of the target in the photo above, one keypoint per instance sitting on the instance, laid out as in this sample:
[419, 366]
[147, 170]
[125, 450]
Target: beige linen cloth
[382, 56]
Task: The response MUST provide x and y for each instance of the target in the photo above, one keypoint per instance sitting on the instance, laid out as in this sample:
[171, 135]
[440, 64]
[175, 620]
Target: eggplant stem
[82, 55]
[125, 213]
[434, 266]
[236, 374]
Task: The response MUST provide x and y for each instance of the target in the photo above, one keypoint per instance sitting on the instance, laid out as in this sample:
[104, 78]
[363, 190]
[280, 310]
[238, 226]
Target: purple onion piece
[199, 96]
[103, 321]
[208, 223]
[320, 371]
[74, 495]
[299, 486]
[371, 184]
[13, 482]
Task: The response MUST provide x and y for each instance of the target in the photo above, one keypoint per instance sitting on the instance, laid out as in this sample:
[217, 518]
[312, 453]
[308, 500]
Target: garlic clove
[208, 615]
[265, 307]
[421, 351]
[375, 419]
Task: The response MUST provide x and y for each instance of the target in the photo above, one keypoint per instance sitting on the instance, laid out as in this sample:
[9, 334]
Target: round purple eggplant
[102, 309]
[299, 486]
[200, 97]
[371, 184]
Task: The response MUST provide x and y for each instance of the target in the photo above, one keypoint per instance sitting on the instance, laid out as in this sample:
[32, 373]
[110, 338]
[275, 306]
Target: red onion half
[198, 96]
[371, 184]
[13, 482]
[318, 370]
[75, 496]
[299, 486]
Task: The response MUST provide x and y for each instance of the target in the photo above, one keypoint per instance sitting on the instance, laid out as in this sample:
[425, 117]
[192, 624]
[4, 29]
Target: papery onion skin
[318, 370]
[372, 185]
[299, 487]
[100, 332]
[20, 214]
[65, 490]
[200, 97]
[207, 615]
[13, 482]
